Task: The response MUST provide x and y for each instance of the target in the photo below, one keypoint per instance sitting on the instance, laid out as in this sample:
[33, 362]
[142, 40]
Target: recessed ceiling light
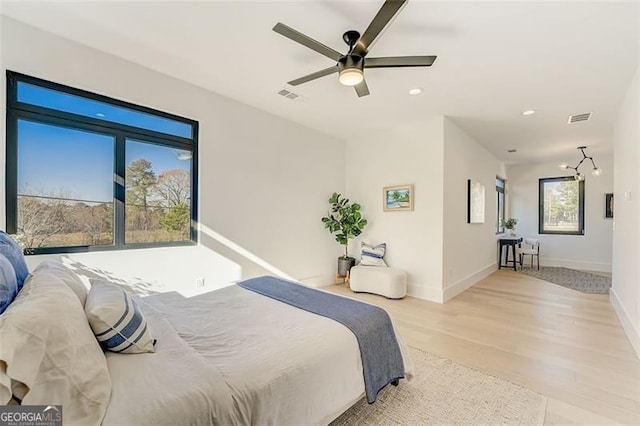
[415, 91]
[528, 112]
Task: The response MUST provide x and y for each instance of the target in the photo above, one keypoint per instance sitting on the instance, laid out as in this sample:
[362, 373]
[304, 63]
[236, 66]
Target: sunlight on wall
[243, 252]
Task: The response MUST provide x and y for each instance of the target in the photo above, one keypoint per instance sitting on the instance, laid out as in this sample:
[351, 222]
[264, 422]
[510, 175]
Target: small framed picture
[475, 202]
[397, 198]
[608, 206]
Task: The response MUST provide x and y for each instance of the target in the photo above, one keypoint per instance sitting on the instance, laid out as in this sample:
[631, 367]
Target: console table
[509, 242]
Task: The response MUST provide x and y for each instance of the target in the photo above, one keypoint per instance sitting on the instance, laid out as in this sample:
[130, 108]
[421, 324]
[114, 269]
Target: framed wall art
[608, 206]
[397, 198]
[475, 202]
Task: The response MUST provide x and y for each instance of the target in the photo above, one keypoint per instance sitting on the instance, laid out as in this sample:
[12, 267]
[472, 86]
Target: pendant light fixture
[580, 176]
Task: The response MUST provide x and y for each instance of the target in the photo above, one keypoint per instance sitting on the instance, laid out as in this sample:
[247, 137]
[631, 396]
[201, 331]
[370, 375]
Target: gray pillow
[8, 283]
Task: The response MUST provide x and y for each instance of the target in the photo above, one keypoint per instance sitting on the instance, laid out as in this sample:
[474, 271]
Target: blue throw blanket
[379, 349]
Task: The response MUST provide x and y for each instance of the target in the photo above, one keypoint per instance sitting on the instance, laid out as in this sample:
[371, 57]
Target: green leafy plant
[510, 223]
[344, 220]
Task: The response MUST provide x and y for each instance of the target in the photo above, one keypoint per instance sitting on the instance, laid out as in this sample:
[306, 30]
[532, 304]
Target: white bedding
[240, 358]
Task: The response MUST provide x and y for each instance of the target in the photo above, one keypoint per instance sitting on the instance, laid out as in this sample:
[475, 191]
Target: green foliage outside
[176, 219]
[156, 210]
[561, 204]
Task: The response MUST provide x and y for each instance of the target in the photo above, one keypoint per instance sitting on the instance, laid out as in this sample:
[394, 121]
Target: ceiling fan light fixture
[351, 65]
[351, 76]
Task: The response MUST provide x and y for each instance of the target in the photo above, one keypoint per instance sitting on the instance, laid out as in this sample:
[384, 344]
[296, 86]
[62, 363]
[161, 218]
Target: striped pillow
[372, 256]
[116, 319]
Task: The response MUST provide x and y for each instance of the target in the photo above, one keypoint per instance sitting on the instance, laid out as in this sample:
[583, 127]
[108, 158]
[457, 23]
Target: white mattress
[237, 357]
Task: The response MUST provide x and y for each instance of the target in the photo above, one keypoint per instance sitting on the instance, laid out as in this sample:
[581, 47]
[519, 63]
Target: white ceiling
[495, 60]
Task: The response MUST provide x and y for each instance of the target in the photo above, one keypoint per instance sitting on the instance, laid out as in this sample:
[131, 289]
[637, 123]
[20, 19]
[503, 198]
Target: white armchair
[529, 247]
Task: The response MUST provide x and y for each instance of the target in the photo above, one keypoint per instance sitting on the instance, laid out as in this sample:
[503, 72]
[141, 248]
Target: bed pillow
[116, 319]
[372, 256]
[48, 354]
[12, 251]
[70, 278]
[8, 283]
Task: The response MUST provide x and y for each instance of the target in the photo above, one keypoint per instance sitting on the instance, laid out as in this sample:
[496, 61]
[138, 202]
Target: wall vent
[576, 118]
[289, 94]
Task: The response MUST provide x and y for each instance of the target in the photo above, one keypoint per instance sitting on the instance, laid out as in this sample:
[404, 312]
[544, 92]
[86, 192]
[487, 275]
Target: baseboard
[318, 280]
[458, 287]
[427, 293]
[576, 264]
[627, 324]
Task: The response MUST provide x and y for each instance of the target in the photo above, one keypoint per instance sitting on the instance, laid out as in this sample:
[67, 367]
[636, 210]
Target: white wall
[276, 175]
[625, 293]
[152, 271]
[591, 251]
[470, 250]
[3, 114]
[408, 155]
[442, 254]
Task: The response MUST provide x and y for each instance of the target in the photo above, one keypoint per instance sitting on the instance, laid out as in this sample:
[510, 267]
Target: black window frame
[501, 190]
[541, 183]
[22, 111]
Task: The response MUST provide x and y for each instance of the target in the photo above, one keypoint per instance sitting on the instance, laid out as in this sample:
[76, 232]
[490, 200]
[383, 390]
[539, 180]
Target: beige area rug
[444, 392]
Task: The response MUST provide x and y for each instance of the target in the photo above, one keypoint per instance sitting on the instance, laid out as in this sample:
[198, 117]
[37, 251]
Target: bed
[233, 356]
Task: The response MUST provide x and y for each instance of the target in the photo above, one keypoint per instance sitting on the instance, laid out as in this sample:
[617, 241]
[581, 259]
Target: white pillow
[372, 256]
[48, 354]
[70, 278]
[116, 319]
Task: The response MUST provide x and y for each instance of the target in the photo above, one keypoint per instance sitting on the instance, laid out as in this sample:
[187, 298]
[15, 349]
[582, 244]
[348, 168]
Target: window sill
[94, 249]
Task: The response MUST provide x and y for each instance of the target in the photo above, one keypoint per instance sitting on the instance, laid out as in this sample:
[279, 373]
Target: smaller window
[561, 202]
[500, 185]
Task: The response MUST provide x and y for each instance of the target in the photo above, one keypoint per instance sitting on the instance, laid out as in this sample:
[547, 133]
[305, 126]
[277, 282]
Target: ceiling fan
[350, 67]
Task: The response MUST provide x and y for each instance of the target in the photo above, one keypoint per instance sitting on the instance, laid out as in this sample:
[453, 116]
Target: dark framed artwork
[608, 206]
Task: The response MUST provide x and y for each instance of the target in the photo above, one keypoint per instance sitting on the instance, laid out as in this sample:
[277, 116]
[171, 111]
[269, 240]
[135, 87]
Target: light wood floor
[566, 345]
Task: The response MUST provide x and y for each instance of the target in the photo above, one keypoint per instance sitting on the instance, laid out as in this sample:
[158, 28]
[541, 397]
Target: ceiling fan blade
[307, 41]
[387, 12]
[362, 89]
[314, 75]
[400, 61]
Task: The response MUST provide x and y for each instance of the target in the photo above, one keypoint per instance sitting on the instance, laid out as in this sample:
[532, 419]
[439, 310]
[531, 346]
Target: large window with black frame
[561, 206]
[87, 172]
[500, 201]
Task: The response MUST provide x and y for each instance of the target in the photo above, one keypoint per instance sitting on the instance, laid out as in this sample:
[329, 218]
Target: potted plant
[510, 224]
[345, 221]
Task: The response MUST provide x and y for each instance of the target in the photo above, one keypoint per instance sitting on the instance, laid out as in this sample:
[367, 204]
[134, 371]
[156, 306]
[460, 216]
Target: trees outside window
[561, 206]
[89, 172]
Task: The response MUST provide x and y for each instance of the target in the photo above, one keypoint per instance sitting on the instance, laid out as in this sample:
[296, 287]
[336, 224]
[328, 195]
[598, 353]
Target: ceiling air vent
[576, 118]
[288, 94]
